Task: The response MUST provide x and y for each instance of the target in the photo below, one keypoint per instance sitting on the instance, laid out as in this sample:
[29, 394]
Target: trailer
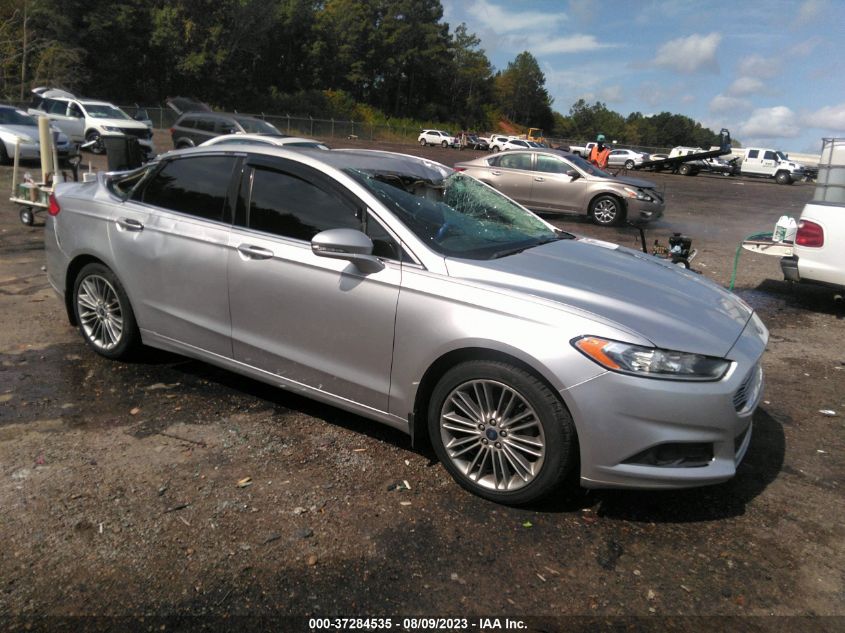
[680, 164]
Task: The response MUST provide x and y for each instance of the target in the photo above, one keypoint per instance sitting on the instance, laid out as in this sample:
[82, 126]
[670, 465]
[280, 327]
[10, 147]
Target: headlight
[650, 362]
[639, 194]
[111, 128]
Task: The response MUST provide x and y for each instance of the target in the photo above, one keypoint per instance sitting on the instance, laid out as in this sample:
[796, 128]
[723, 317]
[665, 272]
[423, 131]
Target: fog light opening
[675, 455]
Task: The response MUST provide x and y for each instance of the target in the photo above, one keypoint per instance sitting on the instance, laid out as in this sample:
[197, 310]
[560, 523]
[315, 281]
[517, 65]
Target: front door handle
[129, 224]
[539, 179]
[254, 252]
[496, 173]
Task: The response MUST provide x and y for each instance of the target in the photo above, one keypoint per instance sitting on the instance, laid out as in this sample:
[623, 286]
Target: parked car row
[17, 128]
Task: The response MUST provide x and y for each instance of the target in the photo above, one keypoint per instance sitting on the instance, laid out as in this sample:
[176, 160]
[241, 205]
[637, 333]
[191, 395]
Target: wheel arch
[436, 370]
[612, 194]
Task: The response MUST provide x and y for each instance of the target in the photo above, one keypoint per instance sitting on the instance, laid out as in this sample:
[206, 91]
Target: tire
[103, 313]
[607, 210]
[783, 178]
[685, 170]
[27, 216]
[495, 149]
[4, 155]
[98, 147]
[444, 144]
[469, 432]
[629, 164]
[422, 142]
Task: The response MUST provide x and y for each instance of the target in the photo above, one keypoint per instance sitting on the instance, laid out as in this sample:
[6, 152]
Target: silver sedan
[397, 289]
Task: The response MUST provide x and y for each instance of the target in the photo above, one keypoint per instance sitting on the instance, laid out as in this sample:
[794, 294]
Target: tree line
[368, 60]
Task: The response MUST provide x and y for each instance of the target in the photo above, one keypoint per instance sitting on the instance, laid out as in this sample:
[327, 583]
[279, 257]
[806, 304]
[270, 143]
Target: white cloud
[810, 11]
[568, 44]
[722, 103]
[612, 94]
[777, 122]
[805, 48]
[744, 86]
[759, 66]
[827, 118]
[692, 54]
[501, 20]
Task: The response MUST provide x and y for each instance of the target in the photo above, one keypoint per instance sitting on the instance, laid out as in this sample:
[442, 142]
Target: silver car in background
[395, 288]
[554, 181]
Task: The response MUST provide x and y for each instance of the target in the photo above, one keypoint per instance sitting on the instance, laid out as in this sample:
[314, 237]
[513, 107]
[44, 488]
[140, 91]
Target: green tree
[521, 92]
[471, 81]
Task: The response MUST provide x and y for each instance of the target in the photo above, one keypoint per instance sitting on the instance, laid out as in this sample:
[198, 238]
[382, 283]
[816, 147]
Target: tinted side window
[287, 205]
[753, 153]
[55, 107]
[205, 125]
[223, 126]
[195, 185]
[188, 122]
[769, 156]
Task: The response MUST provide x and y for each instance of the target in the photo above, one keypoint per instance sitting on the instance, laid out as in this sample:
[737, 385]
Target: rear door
[171, 239]
[511, 174]
[310, 321]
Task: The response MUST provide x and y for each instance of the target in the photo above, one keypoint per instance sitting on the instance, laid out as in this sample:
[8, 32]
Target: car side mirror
[348, 244]
[573, 174]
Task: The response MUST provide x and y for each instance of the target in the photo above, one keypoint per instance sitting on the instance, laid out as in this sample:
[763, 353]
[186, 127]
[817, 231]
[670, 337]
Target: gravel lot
[120, 496]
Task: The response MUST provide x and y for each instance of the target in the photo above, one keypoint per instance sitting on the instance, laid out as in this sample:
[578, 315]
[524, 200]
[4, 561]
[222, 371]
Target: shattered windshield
[459, 216]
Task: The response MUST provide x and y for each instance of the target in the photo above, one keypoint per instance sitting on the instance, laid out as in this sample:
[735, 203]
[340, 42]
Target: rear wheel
[783, 178]
[501, 432]
[27, 216]
[685, 170]
[606, 210]
[103, 312]
[422, 142]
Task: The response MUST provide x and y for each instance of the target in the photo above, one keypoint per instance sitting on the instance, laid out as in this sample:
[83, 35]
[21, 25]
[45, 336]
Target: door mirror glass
[573, 174]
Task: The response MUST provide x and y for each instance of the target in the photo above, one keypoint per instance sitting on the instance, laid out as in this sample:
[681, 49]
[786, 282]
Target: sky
[772, 72]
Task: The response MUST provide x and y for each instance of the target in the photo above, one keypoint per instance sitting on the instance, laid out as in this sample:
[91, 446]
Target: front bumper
[663, 434]
[643, 211]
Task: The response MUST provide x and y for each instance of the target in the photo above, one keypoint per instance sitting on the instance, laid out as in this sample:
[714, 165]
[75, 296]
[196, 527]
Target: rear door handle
[496, 173]
[254, 252]
[539, 179]
[129, 224]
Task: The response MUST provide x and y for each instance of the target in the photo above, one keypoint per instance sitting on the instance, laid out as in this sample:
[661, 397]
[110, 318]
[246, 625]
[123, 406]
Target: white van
[818, 255]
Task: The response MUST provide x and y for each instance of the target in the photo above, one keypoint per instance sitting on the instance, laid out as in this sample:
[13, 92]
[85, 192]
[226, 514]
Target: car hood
[671, 307]
[633, 182]
[127, 123]
[27, 131]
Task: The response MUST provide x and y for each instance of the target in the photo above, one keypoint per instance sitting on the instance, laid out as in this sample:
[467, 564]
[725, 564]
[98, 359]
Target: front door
[313, 322]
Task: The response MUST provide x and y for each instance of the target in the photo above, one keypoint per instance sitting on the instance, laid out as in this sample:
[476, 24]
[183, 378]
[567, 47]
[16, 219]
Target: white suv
[85, 120]
[435, 137]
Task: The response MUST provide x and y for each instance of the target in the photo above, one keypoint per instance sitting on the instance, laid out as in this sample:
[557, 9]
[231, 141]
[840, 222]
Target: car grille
[746, 395]
[143, 134]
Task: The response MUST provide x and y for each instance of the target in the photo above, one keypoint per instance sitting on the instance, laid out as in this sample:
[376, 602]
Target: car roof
[367, 160]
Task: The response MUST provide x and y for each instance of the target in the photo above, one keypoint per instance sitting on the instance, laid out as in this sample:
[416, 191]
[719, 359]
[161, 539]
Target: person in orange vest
[599, 153]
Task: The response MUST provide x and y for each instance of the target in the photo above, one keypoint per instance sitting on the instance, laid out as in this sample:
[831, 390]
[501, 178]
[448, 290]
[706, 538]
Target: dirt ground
[120, 495]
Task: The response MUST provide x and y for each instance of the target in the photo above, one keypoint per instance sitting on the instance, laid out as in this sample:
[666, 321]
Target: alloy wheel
[100, 313]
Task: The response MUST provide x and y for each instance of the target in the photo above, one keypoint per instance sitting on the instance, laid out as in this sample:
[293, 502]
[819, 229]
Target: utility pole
[23, 58]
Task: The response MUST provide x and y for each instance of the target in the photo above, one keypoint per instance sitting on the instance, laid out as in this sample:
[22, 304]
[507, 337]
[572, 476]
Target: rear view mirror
[573, 174]
[348, 244]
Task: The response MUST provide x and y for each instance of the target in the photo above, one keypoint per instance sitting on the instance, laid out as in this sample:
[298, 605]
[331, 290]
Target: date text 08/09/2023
[415, 624]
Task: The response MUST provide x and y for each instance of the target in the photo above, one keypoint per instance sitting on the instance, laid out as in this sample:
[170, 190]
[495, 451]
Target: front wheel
[422, 142]
[27, 216]
[444, 144]
[98, 147]
[783, 178]
[629, 164]
[501, 432]
[103, 312]
[606, 211]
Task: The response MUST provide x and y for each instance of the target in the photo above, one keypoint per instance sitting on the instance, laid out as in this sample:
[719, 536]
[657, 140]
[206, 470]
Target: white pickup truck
[817, 255]
[770, 163]
[584, 150]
